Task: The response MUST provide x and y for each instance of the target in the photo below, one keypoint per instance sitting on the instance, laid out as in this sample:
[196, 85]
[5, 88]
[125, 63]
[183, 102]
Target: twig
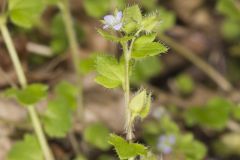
[206, 68]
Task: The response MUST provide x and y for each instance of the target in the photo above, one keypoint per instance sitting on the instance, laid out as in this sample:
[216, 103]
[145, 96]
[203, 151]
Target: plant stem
[23, 82]
[69, 25]
[210, 71]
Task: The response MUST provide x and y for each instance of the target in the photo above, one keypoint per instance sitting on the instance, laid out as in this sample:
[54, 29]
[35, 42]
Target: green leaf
[113, 38]
[80, 157]
[214, 115]
[99, 8]
[96, 8]
[132, 18]
[25, 13]
[87, 65]
[68, 93]
[141, 50]
[57, 120]
[27, 149]
[190, 148]
[106, 82]
[110, 70]
[30, 95]
[184, 84]
[230, 29]
[229, 8]
[97, 135]
[126, 149]
[168, 20]
[148, 38]
[149, 23]
[145, 69]
[236, 112]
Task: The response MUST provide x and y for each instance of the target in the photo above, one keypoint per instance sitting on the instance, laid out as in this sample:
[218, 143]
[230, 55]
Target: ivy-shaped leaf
[27, 149]
[99, 140]
[111, 72]
[30, 95]
[214, 114]
[126, 149]
[67, 92]
[24, 13]
[57, 120]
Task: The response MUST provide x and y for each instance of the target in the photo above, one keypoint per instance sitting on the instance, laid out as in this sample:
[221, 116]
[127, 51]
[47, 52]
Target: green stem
[128, 124]
[69, 25]
[23, 82]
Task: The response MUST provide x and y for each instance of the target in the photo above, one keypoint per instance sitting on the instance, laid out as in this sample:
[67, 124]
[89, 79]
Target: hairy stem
[23, 82]
[69, 25]
[210, 71]
[128, 124]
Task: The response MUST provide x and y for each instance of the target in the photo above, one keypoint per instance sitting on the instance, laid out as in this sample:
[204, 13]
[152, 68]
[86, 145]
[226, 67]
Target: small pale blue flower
[113, 21]
[165, 143]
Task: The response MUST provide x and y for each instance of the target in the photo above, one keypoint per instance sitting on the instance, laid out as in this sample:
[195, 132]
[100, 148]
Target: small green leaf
[30, 95]
[97, 135]
[148, 49]
[80, 157]
[190, 148]
[112, 37]
[126, 149]
[229, 8]
[168, 20]
[145, 39]
[106, 82]
[230, 29]
[87, 65]
[28, 149]
[184, 84]
[149, 23]
[132, 18]
[57, 120]
[68, 93]
[145, 69]
[25, 13]
[214, 115]
[110, 70]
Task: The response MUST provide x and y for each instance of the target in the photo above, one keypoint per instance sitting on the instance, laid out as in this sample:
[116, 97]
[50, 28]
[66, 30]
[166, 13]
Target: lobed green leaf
[126, 149]
[25, 13]
[27, 149]
[110, 70]
[97, 135]
[30, 95]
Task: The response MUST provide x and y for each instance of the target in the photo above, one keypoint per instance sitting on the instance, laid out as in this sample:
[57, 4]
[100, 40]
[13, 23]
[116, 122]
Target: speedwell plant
[136, 36]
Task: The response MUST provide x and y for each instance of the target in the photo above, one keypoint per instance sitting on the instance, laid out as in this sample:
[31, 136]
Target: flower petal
[109, 19]
[119, 16]
[117, 27]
